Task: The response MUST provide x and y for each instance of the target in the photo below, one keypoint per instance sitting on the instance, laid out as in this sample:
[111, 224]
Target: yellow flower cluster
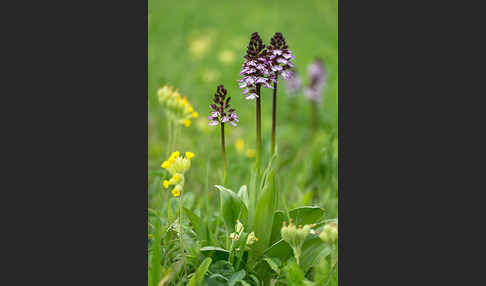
[177, 166]
[178, 107]
[240, 147]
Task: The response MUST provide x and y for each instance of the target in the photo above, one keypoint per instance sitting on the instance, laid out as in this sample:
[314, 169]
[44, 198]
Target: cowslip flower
[256, 68]
[240, 145]
[177, 166]
[227, 56]
[280, 57]
[329, 233]
[295, 236]
[220, 109]
[178, 108]
[199, 46]
[318, 77]
[250, 153]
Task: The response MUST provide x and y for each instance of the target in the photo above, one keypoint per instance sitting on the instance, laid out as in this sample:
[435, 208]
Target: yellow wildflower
[176, 192]
[175, 154]
[178, 108]
[171, 161]
[175, 179]
[227, 56]
[200, 46]
[240, 144]
[250, 153]
[165, 164]
[184, 101]
[189, 155]
[166, 184]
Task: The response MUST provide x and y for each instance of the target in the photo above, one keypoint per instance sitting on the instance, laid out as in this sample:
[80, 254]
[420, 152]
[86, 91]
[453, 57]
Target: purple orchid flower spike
[256, 68]
[318, 76]
[220, 109]
[221, 113]
[280, 57]
[293, 84]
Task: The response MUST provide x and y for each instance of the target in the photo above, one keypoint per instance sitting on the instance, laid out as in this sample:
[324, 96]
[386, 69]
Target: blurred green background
[196, 45]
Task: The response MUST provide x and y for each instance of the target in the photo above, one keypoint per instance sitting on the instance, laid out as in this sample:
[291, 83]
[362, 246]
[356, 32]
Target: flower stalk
[280, 61]
[258, 130]
[318, 77]
[256, 71]
[223, 153]
[177, 166]
[274, 116]
[219, 114]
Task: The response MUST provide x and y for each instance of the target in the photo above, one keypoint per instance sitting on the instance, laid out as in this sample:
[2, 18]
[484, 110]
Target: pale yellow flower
[166, 184]
[250, 153]
[187, 122]
[210, 76]
[227, 56]
[199, 47]
[189, 155]
[240, 145]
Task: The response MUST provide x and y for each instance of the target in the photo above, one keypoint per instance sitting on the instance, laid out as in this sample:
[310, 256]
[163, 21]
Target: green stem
[297, 254]
[274, 116]
[314, 117]
[258, 130]
[169, 135]
[174, 143]
[181, 233]
[223, 153]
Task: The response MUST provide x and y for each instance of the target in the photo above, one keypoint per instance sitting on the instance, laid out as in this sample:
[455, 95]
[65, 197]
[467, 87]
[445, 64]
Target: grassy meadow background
[196, 45]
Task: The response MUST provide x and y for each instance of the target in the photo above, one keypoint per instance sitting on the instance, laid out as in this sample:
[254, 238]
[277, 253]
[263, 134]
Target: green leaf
[295, 276]
[155, 265]
[278, 218]
[306, 215]
[263, 222]
[243, 195]
[312, 250]
[255, 279]
[252, 198]
[222, 267]
[231, 208]
[195, 221]
[237, 277]
[322, 223]
[215, 252]
[280, 249]
[272, 264]
[152, 212]
[196, 280]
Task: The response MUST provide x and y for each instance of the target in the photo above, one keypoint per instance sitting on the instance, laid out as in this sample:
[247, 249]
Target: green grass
[306, 167]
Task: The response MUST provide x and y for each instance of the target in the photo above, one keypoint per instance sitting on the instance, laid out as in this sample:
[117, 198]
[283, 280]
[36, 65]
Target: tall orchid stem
[274, 116]
[223, 153]
[258, 130]
[314, 117]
